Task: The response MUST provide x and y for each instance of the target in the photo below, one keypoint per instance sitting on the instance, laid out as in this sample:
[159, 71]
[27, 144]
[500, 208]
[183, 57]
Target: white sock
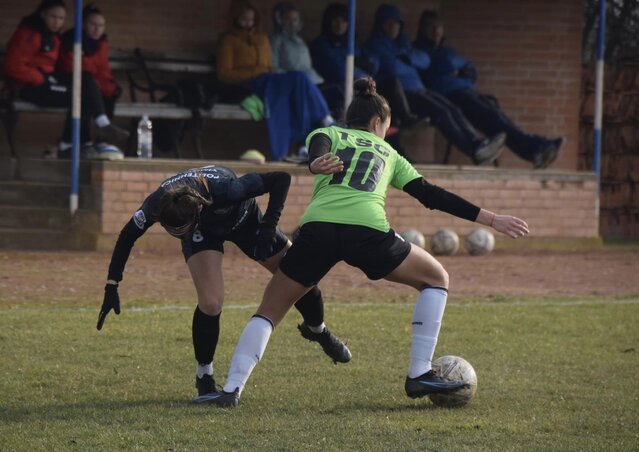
[427, 320]
[327, 121]
[203, 369]
[317, 329]
[248, 352]
[102, 121]
[63, 145]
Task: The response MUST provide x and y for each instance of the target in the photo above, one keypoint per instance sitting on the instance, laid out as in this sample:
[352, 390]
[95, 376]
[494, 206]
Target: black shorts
[244, 237]
[319, 246]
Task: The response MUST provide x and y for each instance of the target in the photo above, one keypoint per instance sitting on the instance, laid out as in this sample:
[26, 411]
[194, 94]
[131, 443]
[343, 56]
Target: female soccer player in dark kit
[346, 221]
[204, 207]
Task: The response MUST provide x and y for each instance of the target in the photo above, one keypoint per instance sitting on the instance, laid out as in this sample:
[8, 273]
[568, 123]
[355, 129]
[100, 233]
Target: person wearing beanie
[453, 76]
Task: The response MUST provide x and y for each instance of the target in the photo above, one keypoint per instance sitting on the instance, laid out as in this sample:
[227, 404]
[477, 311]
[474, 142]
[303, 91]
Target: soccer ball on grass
[452, 368]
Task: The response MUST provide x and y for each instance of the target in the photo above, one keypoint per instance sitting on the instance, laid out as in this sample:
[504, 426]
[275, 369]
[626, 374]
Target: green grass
[553, 375]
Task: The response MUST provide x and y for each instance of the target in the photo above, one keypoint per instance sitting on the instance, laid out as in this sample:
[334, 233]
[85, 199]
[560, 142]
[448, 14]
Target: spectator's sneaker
[102, 151]
[430, 383]
[223, 398]
[548, 154]
[332, 346]
[111, 132]
[489, 150]
[205, 385]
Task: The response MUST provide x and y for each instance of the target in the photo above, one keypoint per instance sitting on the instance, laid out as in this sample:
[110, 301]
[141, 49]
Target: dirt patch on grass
[77, 278]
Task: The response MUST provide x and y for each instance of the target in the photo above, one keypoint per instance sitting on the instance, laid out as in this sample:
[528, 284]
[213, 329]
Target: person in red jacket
[31, 66]
[95, 55]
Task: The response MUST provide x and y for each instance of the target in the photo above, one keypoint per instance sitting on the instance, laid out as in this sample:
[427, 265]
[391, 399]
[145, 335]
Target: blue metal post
[599, 81]
[76, 108]
[350, 56]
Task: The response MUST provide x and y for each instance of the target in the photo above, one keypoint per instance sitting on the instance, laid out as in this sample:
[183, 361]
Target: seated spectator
[454, 77]
[290, 52]
[328, 53]
[31, 67]
[97, 78]
[293, 103]
[400, 82]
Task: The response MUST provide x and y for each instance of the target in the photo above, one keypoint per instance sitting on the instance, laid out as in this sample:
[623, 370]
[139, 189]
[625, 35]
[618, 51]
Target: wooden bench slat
[154, 110]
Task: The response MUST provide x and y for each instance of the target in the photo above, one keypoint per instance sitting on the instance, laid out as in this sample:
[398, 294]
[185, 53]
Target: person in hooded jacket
[399, 78]
[328, 53]
[293, 104]
[31, 65]
[290, 52]
[453, 76]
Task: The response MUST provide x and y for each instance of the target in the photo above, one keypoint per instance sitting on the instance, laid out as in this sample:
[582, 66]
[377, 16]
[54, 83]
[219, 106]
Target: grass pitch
[554, 374]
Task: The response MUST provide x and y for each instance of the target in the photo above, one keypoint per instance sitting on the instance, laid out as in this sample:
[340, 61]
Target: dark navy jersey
[232, 198]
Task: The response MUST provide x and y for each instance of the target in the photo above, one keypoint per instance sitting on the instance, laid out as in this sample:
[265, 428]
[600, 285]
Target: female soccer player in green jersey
[346, 221]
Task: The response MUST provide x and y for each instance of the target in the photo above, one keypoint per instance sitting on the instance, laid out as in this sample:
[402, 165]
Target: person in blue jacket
[399, 76]
[328, 53]
[453, 76]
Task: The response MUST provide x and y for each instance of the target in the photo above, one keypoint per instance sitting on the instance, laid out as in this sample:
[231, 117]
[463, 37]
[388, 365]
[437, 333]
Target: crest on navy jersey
[140, 219]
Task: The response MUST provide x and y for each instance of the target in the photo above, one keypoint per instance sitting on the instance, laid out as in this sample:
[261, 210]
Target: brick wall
[555, 204]
[527, 51]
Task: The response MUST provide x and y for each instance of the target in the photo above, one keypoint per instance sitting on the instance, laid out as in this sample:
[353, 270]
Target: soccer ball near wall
[479, 241]
[415, 237]
[444, 242]
[452, 368]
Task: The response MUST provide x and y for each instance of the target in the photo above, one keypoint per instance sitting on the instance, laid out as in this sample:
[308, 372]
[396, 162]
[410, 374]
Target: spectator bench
[136, 65]
[133, 110]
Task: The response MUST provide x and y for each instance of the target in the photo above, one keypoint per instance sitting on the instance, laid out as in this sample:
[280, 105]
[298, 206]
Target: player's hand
[111, 301]
[265, 242]
[327, 164]
[511, 226]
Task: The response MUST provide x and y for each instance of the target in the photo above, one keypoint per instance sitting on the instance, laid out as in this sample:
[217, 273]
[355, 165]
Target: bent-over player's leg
[206, 272]
[311, 307]
[423, 272]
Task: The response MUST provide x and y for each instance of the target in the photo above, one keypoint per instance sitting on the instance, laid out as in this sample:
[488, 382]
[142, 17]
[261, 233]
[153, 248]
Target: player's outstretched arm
[129, 234]
[320, 158]
[506, 224]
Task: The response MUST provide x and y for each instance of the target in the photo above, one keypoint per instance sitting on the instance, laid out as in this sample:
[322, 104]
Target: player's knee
[439, 278]
[210, 304]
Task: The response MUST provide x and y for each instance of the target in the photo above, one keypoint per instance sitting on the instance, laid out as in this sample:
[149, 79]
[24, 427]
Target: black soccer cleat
[205, 385]
[222, 399]
[430, 383]
[332, 346]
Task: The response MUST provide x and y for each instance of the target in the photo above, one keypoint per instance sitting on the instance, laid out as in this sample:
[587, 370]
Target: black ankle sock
[311, 306]
[206, 331]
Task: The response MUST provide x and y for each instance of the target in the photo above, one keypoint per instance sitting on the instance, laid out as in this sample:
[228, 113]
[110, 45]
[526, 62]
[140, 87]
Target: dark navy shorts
[244, 237]
[319, 246]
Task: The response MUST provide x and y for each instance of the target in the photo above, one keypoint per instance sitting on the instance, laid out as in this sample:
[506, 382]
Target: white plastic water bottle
[145, 138]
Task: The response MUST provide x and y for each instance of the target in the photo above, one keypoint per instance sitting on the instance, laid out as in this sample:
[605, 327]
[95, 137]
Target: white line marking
[453, 305]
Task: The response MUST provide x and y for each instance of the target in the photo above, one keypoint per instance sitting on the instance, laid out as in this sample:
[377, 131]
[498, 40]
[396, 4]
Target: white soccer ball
[479, 241]
[452, 368]
[444, 242]
[415, 237]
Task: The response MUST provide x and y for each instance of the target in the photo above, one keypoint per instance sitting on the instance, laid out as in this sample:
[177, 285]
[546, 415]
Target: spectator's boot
[489, 150]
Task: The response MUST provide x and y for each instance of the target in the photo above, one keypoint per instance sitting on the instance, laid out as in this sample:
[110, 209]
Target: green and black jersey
[357, 194]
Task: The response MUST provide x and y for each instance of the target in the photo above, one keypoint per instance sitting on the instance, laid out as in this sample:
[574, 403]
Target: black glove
[265, 241]
[111, 301]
